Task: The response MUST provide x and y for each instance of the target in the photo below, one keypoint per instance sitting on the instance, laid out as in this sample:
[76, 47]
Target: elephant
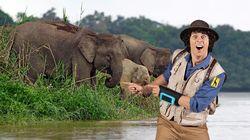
[134, 73]
[153, 58]
[42, 45]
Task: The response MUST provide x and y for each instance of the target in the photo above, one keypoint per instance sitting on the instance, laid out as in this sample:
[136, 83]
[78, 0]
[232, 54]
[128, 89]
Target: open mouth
[199, 47]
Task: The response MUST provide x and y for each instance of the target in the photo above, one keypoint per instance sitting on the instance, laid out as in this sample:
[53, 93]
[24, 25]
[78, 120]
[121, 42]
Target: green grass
[58, 99]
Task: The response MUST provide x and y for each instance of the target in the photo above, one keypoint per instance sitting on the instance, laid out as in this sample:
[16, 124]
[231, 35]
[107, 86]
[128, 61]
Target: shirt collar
[203, 64]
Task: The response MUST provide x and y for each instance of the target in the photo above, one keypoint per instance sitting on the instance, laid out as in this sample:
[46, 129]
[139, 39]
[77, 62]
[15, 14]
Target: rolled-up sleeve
[207, 92]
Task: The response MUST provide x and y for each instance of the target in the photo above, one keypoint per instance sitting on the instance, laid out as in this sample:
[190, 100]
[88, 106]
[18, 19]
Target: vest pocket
[192, 118]
[166, 110]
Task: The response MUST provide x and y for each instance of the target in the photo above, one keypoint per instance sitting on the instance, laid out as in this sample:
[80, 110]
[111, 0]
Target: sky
[173, 12]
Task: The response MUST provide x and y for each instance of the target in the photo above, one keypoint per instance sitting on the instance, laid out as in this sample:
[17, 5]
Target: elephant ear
[148, 59]
[86, 44]
[124, 47]
[134, 76]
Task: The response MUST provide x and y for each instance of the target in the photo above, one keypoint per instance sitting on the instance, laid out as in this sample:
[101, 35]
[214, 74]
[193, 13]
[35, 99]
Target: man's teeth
[199, 46]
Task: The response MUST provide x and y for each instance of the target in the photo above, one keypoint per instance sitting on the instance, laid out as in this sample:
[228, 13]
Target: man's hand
[153, 88]
[134, 88]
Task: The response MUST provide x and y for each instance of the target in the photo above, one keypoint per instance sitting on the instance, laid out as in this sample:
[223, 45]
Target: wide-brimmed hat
[199, 25]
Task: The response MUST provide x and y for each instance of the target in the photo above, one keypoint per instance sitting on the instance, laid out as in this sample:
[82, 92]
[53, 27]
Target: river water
[231, 121]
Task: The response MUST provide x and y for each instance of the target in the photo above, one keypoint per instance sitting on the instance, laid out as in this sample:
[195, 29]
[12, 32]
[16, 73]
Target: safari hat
[198, 25]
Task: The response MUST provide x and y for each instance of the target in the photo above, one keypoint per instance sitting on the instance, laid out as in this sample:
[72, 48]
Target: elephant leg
[32, 75]
[122, 94]
[124, 89]
[82, 75]
[50, 64]
[81, 69]
[36, 66]
[93, 77]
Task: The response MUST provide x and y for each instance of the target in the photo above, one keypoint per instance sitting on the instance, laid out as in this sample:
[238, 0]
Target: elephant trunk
[115, 71]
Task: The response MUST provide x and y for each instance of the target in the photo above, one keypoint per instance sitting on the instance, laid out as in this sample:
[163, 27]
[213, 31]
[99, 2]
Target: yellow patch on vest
[215, 82]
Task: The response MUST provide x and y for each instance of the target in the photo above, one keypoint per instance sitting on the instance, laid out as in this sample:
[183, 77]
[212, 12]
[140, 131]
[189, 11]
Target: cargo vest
[187, 87]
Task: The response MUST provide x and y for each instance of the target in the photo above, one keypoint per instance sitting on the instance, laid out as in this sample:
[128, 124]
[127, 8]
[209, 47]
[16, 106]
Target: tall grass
[58, 98]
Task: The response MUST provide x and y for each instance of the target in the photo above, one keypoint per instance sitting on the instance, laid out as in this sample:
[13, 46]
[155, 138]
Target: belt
[172, 120]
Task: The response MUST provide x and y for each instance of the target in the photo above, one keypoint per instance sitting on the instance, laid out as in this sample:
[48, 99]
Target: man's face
[199, 43]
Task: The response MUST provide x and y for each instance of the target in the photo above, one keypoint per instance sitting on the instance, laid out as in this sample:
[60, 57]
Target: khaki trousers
[170, 130]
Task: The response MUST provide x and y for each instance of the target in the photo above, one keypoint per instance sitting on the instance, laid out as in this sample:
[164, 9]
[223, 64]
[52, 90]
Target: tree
[97, 22]
[5, 18]
[50, 15]
[22, 18]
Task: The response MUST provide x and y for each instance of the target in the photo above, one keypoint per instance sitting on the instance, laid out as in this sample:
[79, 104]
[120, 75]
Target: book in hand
[169, 95]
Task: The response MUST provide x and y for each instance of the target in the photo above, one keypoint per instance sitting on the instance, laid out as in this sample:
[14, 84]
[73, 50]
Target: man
[192, 82]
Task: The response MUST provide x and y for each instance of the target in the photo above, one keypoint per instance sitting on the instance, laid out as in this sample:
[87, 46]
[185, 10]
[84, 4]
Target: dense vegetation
[21, 103]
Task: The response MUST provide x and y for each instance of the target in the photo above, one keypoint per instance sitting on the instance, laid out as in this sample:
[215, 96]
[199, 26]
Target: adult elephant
[43, 45]
[153, 58]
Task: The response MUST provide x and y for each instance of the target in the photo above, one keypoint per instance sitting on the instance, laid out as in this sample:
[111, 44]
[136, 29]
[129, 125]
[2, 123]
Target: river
[230, 122]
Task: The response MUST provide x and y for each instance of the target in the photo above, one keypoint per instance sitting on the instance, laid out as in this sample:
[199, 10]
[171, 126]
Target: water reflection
[81, 130]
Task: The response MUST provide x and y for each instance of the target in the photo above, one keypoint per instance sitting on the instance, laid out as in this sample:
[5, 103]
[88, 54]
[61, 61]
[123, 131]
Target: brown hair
[210, 36]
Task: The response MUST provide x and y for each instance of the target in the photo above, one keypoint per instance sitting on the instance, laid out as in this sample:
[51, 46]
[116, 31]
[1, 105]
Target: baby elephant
[134, 73]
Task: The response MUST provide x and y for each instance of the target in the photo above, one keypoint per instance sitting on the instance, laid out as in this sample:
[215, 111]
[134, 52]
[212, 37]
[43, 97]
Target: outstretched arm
[134, 88]
[151, 88]
[160, 80]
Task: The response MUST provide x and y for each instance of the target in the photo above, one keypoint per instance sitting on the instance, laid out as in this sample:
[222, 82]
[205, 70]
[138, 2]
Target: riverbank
[21, 103]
